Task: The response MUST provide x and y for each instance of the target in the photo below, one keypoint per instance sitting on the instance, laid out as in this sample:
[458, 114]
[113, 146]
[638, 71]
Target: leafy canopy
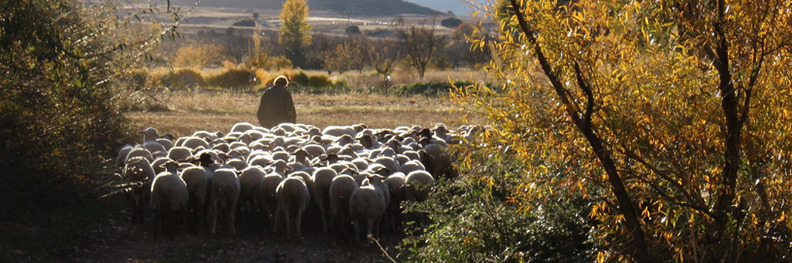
[671, 116]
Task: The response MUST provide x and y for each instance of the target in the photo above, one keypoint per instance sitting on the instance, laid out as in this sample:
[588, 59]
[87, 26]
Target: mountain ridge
[346, 7]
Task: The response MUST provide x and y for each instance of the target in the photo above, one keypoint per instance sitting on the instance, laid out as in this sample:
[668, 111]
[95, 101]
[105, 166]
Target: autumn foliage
[670, 117]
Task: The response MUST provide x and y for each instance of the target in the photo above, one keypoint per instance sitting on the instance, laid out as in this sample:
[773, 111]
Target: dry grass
[219, 111]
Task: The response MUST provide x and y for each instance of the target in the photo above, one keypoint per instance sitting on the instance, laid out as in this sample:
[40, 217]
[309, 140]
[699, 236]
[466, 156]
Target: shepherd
[276, 105]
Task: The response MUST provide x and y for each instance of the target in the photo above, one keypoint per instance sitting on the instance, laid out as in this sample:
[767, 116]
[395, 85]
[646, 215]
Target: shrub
[181, 79]
[232, 78]
[431, 89]
[475, 218]
[300, 78]
[319, 80]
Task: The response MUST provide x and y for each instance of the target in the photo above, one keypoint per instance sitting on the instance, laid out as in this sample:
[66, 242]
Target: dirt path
[118, 240]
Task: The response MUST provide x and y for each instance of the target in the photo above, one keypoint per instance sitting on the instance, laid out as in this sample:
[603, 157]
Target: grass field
[188, 112]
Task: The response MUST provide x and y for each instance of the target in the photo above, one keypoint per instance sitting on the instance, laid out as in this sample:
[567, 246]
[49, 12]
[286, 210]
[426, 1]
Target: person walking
[276, 105]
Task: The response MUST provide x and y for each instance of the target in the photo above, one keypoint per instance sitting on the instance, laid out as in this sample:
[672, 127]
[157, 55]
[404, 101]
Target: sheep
[149, 134]
[437, 161]
[313, 150]
[237, 163]
[390, 163]
[122, 155]
[341, 189]
[280, 155]
[154, 146]
[138, 173]
[224, 192]
[166, 141]
[322, 178]
[242, 127]
[206, 135]
[194, 142]
[140, 151]
[366, 205]
[168, 196]
[417, 186]
[197, 180]
[293, 196]
[339, 131]
[159, 164]
[395, 184]
[179, 153]
[260, 160]
[249, 181]
[412, 165]
[267, 196]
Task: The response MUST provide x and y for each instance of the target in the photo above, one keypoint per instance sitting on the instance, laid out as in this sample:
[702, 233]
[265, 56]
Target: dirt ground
[119, 240]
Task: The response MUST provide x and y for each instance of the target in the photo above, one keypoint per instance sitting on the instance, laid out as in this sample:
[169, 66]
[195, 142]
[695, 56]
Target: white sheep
[159, 164]
[390, 163]
[224, 193]
[366, 205]
[341, 189]
[412, 165]
[168, 196]
[267, 196]
[417, 186]
[197, 180]
[293, 196]
[122, 155]
[339, 131]
[395, 184]
[138, 173]
[179, 153]
[437, 161]
[249, 181]
[322, 178]
[194, 143]
[237, 163]
[242, 127]
[139, 151]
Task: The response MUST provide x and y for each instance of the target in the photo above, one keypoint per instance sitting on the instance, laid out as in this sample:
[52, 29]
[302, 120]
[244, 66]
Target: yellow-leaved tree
[672, 117]
[293, 34]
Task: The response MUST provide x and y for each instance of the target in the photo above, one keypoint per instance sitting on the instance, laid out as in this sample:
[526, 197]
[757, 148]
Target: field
[218, 111]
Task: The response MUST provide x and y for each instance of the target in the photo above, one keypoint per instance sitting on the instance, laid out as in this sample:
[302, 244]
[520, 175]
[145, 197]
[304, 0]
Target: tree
[294, 32]
[420, 46]
[665, 114]
[341, 58]
[199, 55]
[64, 65]
[382, 56]
[451, 22]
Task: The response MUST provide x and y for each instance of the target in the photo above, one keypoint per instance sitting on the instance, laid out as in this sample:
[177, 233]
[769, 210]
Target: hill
[345, 7]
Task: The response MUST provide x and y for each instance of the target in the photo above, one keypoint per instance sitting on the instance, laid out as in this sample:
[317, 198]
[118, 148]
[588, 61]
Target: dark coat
[276, 107]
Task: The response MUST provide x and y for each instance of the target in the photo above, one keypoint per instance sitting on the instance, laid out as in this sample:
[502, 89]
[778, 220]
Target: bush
[232, 78]
[181, 79]
[57, 112]
[475, 219]
[320, 81]
[432, 89]
[300, 78]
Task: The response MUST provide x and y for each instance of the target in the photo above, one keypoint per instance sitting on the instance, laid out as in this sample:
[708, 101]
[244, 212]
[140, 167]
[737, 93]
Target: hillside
[346, 7]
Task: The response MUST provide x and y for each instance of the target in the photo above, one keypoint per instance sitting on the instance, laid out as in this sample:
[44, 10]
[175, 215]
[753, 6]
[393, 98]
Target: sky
[459, 7]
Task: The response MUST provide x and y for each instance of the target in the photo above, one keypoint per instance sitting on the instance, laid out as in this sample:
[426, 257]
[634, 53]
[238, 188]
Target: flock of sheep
[353, 175]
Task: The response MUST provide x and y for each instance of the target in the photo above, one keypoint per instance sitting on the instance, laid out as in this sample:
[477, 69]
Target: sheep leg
[297, 220]
[288, 222]
[322, 213]
[370, 222]
[232, 216]
[169, 220]
[157, 221]
[213, 216]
